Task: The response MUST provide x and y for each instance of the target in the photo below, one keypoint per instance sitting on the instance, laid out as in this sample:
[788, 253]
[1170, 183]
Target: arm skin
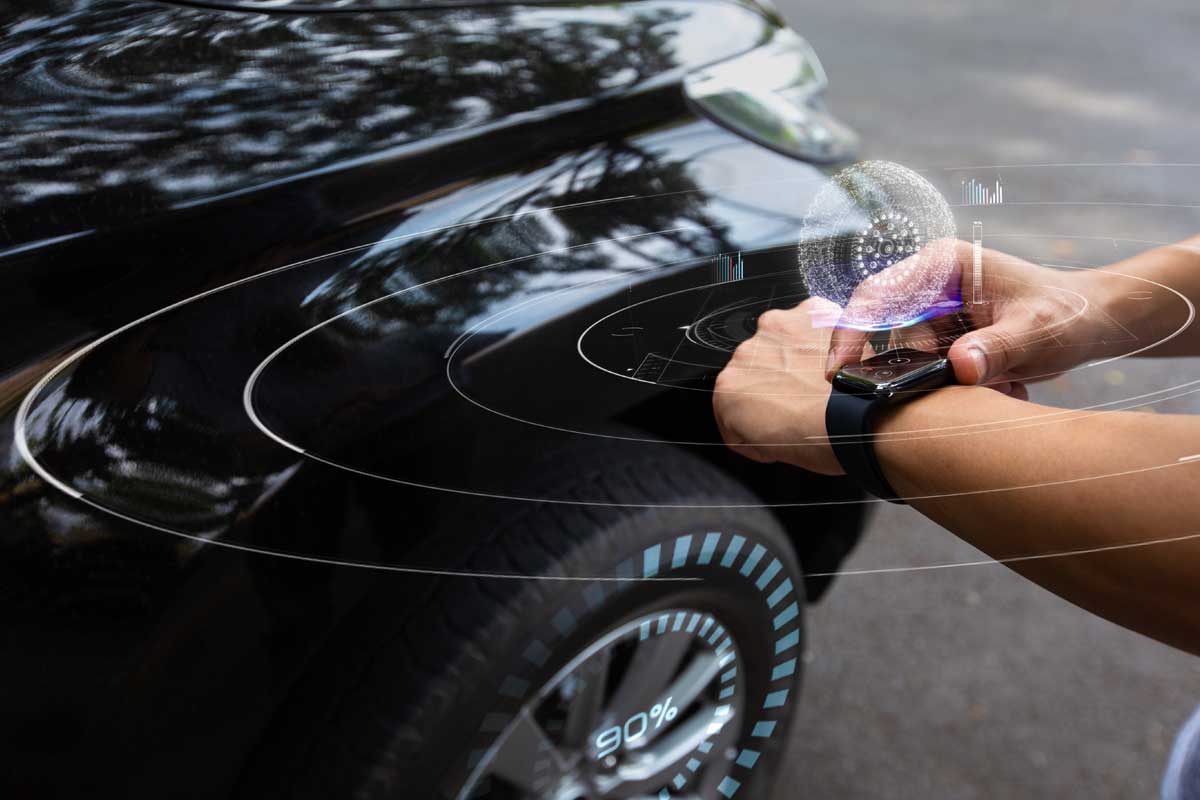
[1177, 266]
[1154, 590]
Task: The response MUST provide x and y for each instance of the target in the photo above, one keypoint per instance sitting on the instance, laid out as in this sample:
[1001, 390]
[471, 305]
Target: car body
[281, 282]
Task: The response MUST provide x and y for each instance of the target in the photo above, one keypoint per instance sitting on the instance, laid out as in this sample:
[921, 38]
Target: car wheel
[657, 657]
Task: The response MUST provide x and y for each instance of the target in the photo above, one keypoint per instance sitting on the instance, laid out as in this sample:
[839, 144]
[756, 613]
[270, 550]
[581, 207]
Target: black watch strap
[848, 421]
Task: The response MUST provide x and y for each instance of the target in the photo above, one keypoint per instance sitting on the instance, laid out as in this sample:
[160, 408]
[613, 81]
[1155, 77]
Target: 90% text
[611, 739]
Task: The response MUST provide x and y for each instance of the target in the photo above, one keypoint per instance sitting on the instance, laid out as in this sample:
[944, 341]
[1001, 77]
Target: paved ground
[971, 682]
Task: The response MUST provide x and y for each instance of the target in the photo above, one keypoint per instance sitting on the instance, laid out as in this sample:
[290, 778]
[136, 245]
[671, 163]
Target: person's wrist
[900, 446]
[899, 418]
[1105, 301]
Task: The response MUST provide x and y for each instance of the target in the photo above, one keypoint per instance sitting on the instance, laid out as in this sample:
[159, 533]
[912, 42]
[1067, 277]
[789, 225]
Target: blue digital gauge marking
[710, 724]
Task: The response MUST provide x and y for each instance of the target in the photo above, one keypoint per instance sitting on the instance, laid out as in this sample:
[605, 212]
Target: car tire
[431, 683]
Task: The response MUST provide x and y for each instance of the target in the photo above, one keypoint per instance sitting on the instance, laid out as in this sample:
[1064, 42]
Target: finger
[1014, 389]
[991, 352]
[870, 300]
[846, 343]
[880, 341]
[845, 346]
[947, 330]
[928, 337]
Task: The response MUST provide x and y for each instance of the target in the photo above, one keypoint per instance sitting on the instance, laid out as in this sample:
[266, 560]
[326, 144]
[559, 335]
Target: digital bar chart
[728, 268]
[975, 193]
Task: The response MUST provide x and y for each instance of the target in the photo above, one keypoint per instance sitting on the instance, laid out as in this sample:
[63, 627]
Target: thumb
[990, 352]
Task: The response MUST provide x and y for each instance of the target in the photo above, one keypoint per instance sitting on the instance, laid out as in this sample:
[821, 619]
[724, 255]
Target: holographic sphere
[880, 233]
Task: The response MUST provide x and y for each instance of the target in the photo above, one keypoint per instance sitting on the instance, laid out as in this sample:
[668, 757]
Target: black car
[356, 396]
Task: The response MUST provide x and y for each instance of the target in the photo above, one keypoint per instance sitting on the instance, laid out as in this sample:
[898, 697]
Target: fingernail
[979, 359]
[830, 363]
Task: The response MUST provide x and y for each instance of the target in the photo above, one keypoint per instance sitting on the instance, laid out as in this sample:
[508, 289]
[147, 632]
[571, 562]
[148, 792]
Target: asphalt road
[971, 682]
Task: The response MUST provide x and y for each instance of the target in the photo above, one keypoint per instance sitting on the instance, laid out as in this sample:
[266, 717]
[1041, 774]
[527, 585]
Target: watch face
[899, 370]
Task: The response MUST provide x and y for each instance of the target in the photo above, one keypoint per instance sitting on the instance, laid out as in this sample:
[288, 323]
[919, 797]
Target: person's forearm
[1176, 266]
[1027, 481]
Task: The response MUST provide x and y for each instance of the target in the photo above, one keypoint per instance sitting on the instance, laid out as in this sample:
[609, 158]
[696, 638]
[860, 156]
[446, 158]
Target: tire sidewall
[749, 581]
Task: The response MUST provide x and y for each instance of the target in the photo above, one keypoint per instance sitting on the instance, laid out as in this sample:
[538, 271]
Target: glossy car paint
[200, 185]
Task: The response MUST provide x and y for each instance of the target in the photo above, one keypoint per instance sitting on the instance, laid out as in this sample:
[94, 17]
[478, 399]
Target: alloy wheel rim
[650, 709]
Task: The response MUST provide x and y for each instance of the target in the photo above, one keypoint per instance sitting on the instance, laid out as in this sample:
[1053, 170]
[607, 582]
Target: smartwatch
[860, 391]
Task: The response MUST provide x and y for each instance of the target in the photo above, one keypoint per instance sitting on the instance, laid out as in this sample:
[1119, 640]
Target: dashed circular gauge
[660, 747]
[672, 707]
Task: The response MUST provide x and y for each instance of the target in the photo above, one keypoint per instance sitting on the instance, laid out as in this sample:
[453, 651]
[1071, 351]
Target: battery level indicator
[977, 263]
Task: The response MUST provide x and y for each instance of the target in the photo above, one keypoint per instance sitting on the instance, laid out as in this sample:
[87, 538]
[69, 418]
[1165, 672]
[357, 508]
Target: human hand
[770, 399]
[1036, 323]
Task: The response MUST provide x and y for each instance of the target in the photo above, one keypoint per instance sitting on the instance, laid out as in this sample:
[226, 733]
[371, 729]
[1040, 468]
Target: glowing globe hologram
[881, 234]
